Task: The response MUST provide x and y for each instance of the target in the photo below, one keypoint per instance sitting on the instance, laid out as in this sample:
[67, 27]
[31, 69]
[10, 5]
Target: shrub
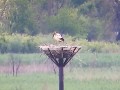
[17, 43]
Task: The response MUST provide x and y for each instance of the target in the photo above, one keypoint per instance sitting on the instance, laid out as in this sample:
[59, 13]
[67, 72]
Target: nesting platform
[60, 55]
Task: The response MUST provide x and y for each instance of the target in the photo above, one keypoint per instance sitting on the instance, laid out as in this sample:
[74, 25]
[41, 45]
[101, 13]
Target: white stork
[58, 37]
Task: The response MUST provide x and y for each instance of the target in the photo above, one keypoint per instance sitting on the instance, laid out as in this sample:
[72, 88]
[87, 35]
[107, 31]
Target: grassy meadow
[48, 81]
[87, 71]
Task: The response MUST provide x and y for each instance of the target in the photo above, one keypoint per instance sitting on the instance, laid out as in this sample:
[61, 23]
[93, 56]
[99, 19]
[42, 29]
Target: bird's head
[54, 33]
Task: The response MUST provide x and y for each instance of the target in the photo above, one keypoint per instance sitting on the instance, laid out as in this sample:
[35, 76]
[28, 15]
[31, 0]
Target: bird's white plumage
[58, 37]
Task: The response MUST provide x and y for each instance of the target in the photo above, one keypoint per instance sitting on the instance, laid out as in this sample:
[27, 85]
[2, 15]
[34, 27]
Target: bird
[58, 37]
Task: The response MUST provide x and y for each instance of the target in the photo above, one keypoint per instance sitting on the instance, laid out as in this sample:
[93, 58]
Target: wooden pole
[61, 78]
[60, 55]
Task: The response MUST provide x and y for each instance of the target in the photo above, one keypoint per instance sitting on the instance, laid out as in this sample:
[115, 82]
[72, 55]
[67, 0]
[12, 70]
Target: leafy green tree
[66, 21]
[74, 17]
[21, 20]
[101, 15]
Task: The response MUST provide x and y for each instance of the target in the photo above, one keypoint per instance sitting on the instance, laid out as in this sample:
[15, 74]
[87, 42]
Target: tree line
[88, 19]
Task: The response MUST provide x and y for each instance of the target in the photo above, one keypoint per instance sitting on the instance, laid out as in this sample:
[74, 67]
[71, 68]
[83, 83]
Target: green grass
[77, 76]
[25, 58]
[27, 82]
[96, 59]
[49, 81]
[84, 59]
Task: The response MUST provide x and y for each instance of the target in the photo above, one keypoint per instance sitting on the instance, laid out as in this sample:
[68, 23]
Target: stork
[58, 37]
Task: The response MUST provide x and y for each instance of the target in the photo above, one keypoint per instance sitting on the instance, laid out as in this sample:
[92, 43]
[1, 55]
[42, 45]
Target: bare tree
[117, 18]
[15, 63]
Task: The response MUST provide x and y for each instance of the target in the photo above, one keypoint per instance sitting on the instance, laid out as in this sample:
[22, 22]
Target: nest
[60, 55]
